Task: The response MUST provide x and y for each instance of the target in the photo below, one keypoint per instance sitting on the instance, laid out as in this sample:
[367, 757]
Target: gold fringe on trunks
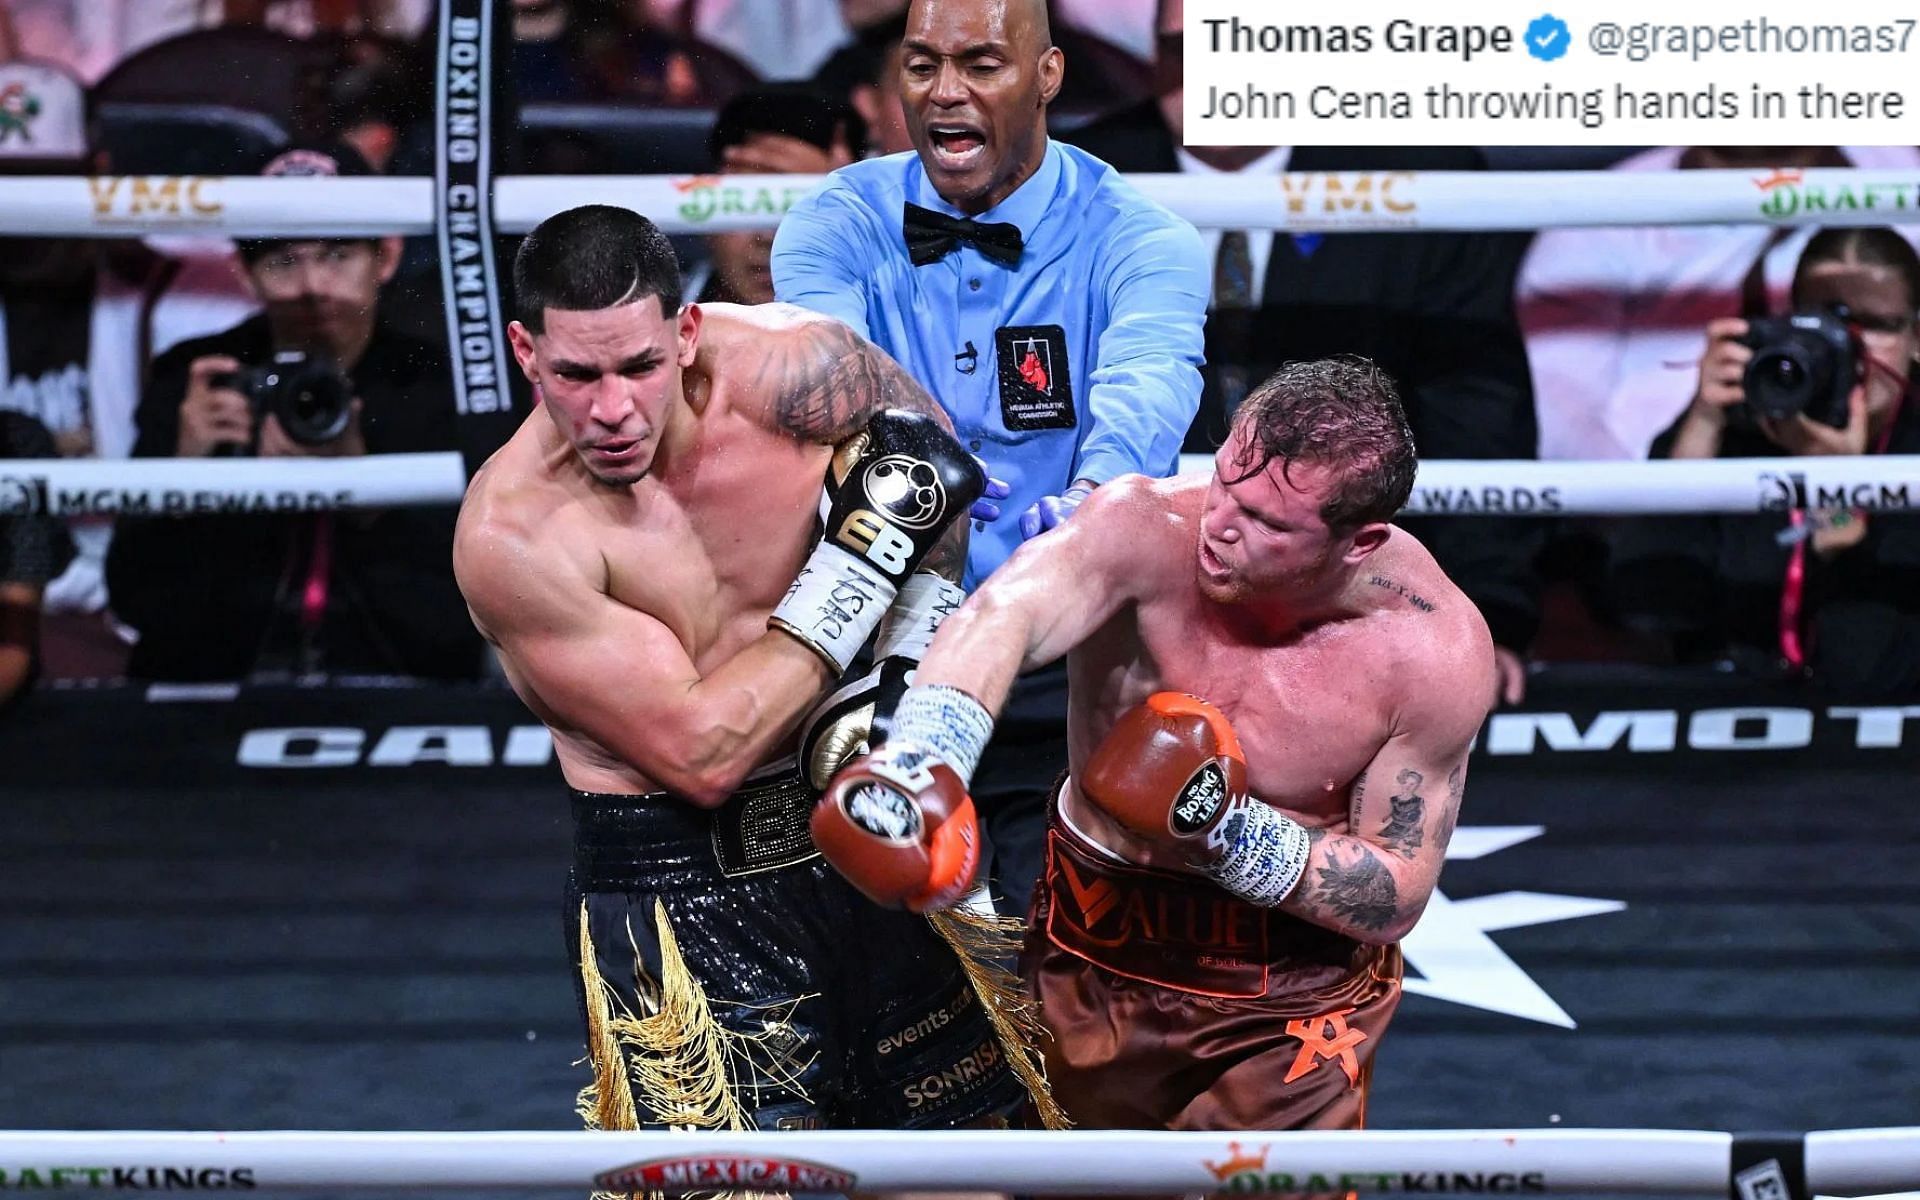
[677, 1060]
[982, 941]
[607, 1101]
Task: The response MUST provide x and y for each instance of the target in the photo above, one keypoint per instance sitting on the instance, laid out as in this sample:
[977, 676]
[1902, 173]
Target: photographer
[1834, 594]
[315, 375]
[34, 548]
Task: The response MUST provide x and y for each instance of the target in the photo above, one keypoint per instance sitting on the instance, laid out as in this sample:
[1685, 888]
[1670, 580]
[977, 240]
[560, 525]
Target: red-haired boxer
[647, 554]
[1214, 943]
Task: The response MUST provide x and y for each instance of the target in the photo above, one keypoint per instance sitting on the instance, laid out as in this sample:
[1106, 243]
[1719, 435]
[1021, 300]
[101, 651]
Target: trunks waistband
[620, 841]
[1182, 931]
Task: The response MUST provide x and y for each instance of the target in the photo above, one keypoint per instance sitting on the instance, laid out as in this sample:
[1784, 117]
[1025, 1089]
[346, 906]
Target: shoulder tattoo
[1411, 597]
[826, 383]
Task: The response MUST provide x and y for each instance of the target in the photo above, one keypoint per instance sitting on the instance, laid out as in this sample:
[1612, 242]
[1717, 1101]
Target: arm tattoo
[827, 382]
[1402, 834]
[1418, 601]
[1362, 891]
[1456, 789]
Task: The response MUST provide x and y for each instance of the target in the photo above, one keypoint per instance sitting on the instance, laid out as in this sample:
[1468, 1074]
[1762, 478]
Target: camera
[1805, 363]
[304, 391]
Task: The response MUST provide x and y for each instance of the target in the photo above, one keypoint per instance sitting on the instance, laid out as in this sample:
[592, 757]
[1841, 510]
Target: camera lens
[1777, 384]
[312, 401]
[1785, 373]
[308, 409]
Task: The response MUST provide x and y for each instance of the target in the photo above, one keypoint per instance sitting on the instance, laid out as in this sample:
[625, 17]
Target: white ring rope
[120, 206]
[167, 486]
[1859, 1162]
[1091, 1161]
[1564, 1161]
[198, 486]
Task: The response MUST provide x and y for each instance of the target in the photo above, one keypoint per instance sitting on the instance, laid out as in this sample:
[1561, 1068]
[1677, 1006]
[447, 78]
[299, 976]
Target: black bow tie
[931, 236]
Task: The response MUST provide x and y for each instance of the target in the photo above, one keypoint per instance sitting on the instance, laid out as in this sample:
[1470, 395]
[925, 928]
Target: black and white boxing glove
[856, 717]
[910, 482]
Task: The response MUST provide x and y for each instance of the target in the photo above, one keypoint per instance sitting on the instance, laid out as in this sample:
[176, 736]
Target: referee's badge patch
[1036, 387]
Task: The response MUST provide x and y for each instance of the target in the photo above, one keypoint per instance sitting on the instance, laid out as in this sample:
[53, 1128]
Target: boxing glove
[856, 717]
[908, 482]
[898, 825]
[853, 720]
[1171, 771]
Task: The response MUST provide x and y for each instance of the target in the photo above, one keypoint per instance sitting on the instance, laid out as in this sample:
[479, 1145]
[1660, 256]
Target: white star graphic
[1456, 959]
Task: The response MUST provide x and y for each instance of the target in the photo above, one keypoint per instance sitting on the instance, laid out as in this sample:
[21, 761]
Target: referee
[1054, 312]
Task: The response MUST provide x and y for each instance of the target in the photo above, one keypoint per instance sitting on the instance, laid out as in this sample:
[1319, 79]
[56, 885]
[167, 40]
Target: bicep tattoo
[1403, 833]
[832, 382]
[1456, 791]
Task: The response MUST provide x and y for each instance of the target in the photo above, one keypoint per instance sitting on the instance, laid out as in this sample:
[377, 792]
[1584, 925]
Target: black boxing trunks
[1175, 1005]
[786, 998]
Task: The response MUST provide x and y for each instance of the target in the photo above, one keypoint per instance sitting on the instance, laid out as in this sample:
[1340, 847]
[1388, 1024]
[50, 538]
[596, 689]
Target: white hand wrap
[925, 600]
[946, 721]
[1265, 860]
[834, 604]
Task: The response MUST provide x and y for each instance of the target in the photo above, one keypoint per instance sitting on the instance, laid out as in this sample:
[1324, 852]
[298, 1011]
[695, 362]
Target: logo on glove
[1199, 801]
[884, 813]
[907, 489]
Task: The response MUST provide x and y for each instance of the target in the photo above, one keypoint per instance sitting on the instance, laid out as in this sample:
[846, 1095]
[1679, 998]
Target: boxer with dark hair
[646, 553]
[1272, 695]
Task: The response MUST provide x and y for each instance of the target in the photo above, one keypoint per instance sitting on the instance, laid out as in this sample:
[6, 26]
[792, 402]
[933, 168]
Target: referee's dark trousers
[1010, 788]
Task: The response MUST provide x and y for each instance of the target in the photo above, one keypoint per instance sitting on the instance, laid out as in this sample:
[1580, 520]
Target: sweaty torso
[1311, 710]
[706, 545]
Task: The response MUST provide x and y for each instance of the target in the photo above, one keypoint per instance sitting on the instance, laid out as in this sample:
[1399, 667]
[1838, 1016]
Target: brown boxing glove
[899, 825]
[1171, 771]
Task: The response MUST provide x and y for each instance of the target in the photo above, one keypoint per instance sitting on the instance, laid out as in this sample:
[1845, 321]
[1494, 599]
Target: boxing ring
[1533, 1160]
[464, 202]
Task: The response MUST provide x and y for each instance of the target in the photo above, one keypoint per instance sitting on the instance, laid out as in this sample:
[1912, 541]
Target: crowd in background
[1575, 344]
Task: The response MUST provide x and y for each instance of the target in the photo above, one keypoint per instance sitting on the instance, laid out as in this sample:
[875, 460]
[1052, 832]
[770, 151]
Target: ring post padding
[470, 283]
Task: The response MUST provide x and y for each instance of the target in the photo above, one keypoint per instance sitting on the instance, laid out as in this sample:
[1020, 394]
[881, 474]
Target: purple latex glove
[984, 509]
[1052, 510]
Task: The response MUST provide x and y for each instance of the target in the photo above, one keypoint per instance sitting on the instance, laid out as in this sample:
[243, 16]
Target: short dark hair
[1869, 245]
[1343, 414]
[862, 61]
[795, 110]
[592, 257]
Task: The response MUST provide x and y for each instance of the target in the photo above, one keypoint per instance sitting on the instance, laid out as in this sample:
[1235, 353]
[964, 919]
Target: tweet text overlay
[1528, 73]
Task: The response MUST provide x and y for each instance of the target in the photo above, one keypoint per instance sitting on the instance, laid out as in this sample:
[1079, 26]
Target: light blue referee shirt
[1082, 362]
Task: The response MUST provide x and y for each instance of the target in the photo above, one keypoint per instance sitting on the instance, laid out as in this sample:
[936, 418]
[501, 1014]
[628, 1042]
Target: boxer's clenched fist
[910, 481]
[1171, 771]
[899, 825]
[854, 719]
